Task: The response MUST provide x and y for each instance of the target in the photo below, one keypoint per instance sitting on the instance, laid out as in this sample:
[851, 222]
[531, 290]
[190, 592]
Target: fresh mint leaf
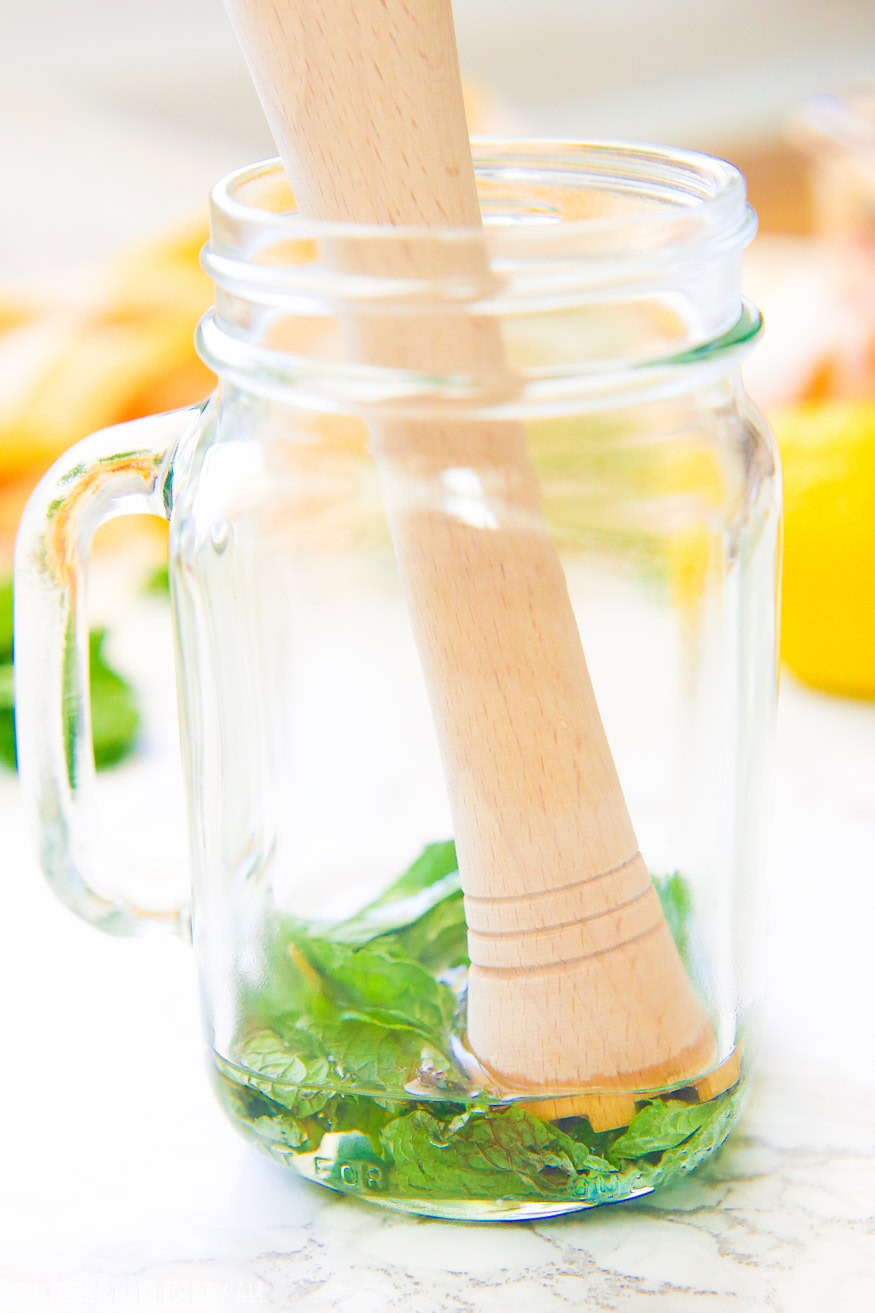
[7, 703]
[363, 1053]
[115, 717]
[387, 918]
[438, 939]
[157, 582]
[7, 718]
[375, 985]
[6, 622]
[660, 1125]
[293, 1066]
[270, 1124]
[677, 907]
[286, 1136]
[432, 878]
[294, 1082]
[290, 1096]
[435, 862]
[286, 990]
[711, 1133]
[489, 1153]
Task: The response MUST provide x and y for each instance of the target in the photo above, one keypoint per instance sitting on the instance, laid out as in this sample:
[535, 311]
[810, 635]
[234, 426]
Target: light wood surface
[575, 980]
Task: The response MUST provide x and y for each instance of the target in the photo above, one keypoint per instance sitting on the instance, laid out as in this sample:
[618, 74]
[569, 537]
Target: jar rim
[678, 183]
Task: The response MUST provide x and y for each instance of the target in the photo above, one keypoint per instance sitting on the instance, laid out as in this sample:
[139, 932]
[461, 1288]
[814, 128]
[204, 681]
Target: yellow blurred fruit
[14, 310]
[828, 619]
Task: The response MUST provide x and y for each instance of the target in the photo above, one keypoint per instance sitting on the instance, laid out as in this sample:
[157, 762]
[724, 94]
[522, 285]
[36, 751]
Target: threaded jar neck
[604, 264]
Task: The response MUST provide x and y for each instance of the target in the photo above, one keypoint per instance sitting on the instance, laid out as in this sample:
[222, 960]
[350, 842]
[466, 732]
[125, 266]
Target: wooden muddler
[575, 982]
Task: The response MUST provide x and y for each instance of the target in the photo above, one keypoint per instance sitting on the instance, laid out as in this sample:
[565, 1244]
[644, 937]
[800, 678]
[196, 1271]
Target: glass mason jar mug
[474, 926]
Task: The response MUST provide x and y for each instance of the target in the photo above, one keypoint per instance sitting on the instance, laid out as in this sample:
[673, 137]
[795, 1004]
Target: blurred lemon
[828, 619]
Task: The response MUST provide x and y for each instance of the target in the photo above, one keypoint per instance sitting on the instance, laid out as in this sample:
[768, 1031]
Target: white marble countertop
[124, 1186]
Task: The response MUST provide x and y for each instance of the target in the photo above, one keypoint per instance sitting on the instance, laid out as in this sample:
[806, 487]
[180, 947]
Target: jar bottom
[469, 1161]
[349, 1065]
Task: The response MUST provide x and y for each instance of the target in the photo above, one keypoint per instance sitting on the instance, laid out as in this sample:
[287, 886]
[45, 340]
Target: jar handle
[124, 470]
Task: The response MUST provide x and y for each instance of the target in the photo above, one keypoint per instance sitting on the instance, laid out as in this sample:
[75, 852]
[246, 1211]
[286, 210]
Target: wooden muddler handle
[575, 980]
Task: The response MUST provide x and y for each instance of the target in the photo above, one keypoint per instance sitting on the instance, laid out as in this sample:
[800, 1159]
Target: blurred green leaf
[115, 716]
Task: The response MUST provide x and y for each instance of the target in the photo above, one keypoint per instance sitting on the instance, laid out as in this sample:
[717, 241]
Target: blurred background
[117, 117]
